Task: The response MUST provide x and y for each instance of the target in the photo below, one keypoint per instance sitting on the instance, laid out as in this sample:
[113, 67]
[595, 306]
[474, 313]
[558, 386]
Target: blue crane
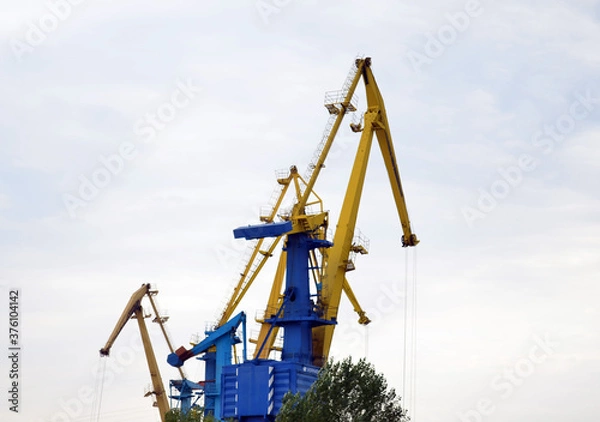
[253, 390]
[216, 351]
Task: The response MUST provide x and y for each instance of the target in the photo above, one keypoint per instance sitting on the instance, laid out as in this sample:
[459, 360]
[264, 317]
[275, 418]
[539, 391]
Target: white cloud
[528, 267]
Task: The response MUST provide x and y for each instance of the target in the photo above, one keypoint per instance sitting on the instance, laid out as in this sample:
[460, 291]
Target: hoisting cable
[405, 326]
[98, 390]
[96, 387]
[414, 337]
[366, 328]
[409, 363]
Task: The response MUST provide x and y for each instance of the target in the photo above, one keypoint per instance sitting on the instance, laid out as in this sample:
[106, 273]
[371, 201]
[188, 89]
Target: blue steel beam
[259, 231]
[222, 339]
[179, 357]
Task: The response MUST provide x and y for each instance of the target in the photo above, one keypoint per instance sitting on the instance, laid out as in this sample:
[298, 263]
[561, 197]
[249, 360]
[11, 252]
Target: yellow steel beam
[132, 305]
[335, 271]
[246, 281]
[384, 138]
[375, 122]
[272, 305]
[157, 384]
[362, 315]
[327, 146]
[161, 323]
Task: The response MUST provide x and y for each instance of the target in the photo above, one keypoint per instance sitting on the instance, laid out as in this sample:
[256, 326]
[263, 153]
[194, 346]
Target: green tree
[194, 415]
[345, 392]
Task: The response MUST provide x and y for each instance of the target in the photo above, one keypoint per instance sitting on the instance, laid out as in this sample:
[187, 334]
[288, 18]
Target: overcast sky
[136, 136]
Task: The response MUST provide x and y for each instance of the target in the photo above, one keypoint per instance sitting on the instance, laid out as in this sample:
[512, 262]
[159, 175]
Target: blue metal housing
[253, 391]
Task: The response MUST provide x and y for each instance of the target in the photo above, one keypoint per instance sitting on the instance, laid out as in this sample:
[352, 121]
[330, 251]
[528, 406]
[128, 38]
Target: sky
[136, 136]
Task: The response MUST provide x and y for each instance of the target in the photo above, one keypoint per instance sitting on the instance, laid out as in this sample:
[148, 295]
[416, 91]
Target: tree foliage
[345, 392]
[194, 415]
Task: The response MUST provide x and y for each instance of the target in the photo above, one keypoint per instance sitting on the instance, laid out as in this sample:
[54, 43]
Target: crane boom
[132, 305]
[345, 105]
[375, 123]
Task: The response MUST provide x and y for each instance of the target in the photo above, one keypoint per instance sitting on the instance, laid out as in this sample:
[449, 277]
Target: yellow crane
[330, 275]
[134, 310]
[336, 261]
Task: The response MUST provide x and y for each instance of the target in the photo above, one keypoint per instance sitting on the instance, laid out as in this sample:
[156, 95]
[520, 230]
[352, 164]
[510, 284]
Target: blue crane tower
[253, 391]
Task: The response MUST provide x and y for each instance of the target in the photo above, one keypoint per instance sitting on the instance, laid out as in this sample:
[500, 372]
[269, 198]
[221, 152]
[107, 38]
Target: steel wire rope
[409, 360]
[405, 326]
[98, 389]
[413, 388]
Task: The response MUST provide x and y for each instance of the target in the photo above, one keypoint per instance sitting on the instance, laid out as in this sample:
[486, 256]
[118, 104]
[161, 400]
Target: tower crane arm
[179, 357]
[339, 109]
[375, 123]
[381, 128]
[128, 312]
